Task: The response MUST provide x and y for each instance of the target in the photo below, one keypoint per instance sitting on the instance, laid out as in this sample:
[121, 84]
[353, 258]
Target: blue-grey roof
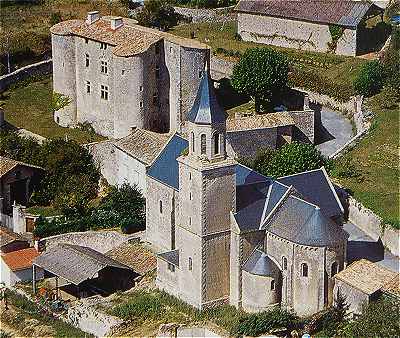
[315, 188]
[277, 191]
[206, 109]
[171, 257]
[303, 223]
[260, 264]
[165, 168]
[246, 175]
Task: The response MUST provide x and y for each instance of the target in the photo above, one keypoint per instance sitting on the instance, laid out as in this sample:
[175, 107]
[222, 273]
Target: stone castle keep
[120, 75]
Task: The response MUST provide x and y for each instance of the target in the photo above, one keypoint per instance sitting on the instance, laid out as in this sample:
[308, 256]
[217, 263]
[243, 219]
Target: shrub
[55, 18]
[260, 73]
[370, 79]
[158, 13]
[344, 168]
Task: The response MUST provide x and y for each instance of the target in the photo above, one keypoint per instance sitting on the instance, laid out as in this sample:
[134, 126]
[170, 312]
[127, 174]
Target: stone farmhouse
[226, 233]
[118, 75]
[306, 24]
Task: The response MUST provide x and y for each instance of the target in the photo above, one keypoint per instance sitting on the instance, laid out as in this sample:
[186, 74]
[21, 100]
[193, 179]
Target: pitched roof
[206, 109]
[7, 164]
[20, 259]
[303, 223]
[316, 187]
[344, 12]
[7, 236]
[129, 39]
[165, 168]
[366, 276]
[260, 264]
[393, 287]
[142, 144]
[245, 175]
[170, 256]
[75, 263]
[270, 120]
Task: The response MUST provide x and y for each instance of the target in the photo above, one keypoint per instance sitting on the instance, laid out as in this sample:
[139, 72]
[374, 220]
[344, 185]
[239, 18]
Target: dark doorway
[18, 192]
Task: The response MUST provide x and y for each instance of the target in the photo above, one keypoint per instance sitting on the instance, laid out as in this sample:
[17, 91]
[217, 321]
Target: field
[28, 106]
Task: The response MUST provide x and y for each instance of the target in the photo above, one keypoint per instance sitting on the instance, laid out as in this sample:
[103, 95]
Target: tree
[261, 73]
[290, 159]
[158, 13]
[370, 79]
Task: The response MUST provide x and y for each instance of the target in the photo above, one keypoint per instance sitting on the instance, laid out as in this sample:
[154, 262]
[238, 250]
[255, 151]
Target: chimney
[116, 22]
[92, 17]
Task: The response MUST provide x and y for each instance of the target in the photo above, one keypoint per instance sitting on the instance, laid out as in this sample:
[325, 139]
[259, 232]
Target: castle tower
[206, 197]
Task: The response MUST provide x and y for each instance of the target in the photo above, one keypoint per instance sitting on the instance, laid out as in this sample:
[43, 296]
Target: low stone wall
[101, 241]
[40, 68]
[197, 15]
[373, 226]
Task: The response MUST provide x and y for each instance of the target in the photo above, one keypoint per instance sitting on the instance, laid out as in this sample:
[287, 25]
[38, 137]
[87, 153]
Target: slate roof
[316, 187]
[260, 264]
[165, 168]
[8, 164]
[206, 109]
[341, 12]
[171, 257]
[129, 39]
[304, 223]
[7, 236]
[75, 263]
[245, 175]
[366, 276]
[20, 259]
[270, 120]
[142, 144]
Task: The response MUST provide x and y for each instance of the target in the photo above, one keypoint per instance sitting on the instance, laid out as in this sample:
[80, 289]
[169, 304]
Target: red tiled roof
[20, 259]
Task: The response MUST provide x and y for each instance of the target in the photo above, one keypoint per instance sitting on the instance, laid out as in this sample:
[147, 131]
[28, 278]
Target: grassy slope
[29, 107]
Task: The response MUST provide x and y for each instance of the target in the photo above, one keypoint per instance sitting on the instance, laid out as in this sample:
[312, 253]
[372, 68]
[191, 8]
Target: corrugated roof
[20, 259]
[260, 264]
[143, 144]
[270, 120]
[303, 223]
[7, 164]
[315, 187]
[344, 12]
[75, 263]
[165, 168]
[171, 257]
[366, 276]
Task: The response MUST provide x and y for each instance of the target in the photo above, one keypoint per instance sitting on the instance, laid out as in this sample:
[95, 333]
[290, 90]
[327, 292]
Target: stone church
[227, 234]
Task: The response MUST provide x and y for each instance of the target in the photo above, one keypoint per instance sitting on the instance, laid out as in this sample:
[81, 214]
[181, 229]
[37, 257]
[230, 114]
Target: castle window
[304, 270]
[123, 71]
[190, 196]
[104, 92]
[216, 143]
[190, 265]
[171, 267]
[87, 60]
[192, 140]
[103, 45]
[86, 40]
[190, 220]
[140, 88]
[190, 176]
[284, 263]
[104, 67]
[200, 74]
[170, 49]
[58, 119]
[157, 72]
[334, 269]
[161, 207]
[203, 144]
[88, 87]
[141, 104]
[273, 284]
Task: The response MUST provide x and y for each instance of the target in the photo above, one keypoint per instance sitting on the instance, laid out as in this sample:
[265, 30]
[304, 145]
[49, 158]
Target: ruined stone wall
[207, 14]
[294, 34]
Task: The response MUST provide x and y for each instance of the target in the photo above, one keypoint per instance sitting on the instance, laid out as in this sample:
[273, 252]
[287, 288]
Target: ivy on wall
[336, 32]
[272, 37]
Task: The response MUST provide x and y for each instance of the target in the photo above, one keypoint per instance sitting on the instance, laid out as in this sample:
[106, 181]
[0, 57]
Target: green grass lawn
[376, 160]
[29, 106]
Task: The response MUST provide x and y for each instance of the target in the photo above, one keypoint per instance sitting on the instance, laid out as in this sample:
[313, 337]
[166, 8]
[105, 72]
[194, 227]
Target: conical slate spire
[206, 109]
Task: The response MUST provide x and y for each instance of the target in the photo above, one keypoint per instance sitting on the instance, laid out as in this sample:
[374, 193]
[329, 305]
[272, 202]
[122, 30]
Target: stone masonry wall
[293, 34]
[196, 15]
[40, 68]
[104, 155]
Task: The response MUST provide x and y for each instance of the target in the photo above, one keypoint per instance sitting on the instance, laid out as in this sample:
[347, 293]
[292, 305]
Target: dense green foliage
[123, 207]
[370, 79]
[205, 3]
[336, 32]
[159, 14]
[391, 62]
[289, 159]
[261, 73]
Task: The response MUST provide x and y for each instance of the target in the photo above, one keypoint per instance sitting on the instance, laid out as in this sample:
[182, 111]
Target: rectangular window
[87, 60]
[140, 88]
[190, 265]
[103, 45]
[171, 267]
[88, 87]
[86, 40]
[104, 92]
[104, 67]
[141, 104]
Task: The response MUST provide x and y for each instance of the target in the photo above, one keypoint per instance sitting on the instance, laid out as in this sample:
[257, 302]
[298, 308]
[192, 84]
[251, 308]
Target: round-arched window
[304, 270]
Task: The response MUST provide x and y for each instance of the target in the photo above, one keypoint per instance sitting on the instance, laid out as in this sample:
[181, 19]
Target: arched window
[160, 207]
[203, 142]
[192, 139]
[273, 284]
[304, 270]
[284, 263]
[216, 143]
[334, 269]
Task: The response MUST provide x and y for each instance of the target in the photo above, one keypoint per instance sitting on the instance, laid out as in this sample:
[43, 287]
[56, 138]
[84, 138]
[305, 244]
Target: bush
[158, 13]
[370, 79]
